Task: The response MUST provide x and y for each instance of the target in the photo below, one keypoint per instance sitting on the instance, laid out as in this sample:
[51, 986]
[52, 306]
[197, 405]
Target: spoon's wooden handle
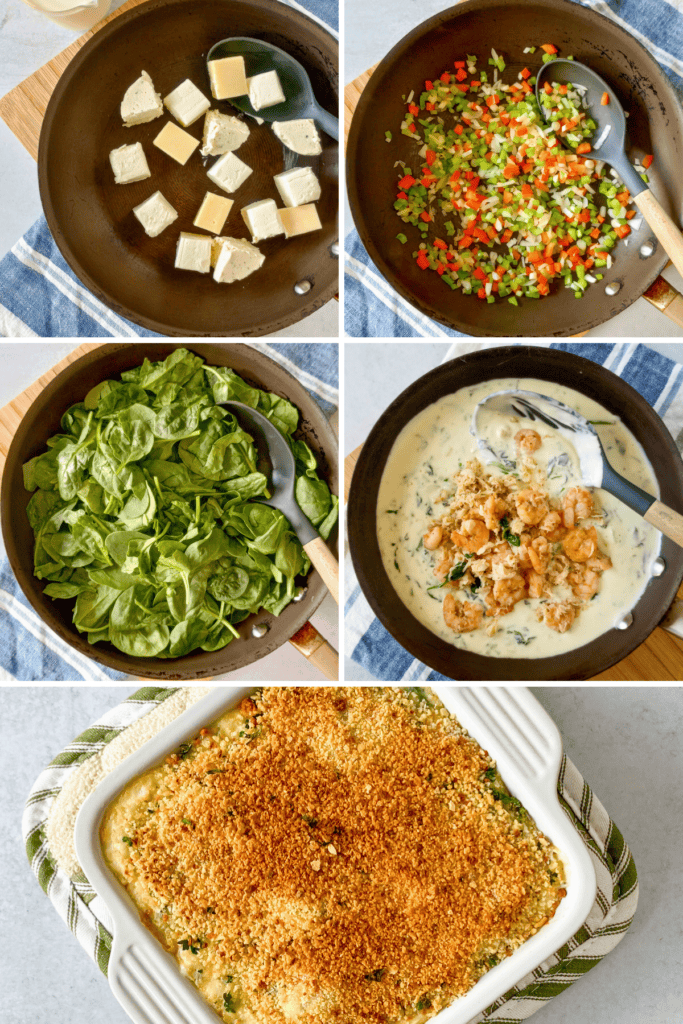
[326, 564]
[316, 649]
[666, 299]
[666, 230]
[665, 519]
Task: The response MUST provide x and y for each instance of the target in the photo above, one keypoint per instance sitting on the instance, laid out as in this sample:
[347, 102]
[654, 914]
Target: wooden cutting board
[23, 108]
[308, 641]
[659, 658]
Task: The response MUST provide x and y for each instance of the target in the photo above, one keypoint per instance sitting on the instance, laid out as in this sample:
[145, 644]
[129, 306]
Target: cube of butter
[213, 213]
[265, 90]
[187, 103]
[229, 172]
[222, 134]
[237, 259]
[141, 103]
[129, 164]
[262, 219]
[176, 143]
[228, 78]
[193, 252]
[297, 186]
[299, 220]
[155, 214]
[301, 136]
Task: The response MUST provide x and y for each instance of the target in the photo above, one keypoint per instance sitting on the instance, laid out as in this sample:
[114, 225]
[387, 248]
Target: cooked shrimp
[532, 505]
[552, 527]
[580, 544]
[599, 562]
[539, 552]
[494, 509]
[576, 504]
[461, 616]
[433, 538]
[473, 536]
[528, 440]
[559, 616]
[536, 584]
[509, 591]
[584, 582]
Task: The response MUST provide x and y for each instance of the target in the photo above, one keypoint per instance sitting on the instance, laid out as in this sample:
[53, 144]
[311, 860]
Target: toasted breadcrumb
[333, 854]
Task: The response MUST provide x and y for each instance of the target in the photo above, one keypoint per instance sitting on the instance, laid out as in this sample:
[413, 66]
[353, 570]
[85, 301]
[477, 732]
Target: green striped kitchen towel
[63, 785]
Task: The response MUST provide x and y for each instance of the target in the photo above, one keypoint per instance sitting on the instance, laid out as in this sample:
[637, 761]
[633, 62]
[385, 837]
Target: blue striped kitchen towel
[29, 650]
[372, 308]
[40, 296]
[656, 378]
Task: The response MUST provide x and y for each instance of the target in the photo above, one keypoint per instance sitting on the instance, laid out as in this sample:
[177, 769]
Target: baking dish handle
[528, 743]
[148, 985]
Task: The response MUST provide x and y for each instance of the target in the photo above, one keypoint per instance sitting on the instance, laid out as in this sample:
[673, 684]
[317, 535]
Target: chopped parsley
[193, 945]
[127, 839]
[375, 975]
[229, 1005]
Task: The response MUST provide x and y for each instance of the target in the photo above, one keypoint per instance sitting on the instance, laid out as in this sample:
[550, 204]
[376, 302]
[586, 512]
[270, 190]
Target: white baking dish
[508, 722]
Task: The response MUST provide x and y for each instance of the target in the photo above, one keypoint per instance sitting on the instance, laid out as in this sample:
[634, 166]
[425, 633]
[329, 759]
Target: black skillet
[42, 421]
[655, 125]
[90, 216]
[492, 364]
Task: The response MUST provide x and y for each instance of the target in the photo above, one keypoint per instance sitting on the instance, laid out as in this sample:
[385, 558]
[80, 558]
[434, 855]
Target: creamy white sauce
[431, 450]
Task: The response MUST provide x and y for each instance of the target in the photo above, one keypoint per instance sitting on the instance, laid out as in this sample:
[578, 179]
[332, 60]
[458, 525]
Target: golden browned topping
[352, 856]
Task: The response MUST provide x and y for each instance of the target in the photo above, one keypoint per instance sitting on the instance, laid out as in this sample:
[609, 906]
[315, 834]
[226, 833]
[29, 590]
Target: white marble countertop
[23, 362]
[377, 27]
[625, 742]
[27, 41]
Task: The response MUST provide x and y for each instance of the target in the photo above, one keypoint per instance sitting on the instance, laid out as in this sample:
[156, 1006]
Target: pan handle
[667, 299]
[316, 649]
[666, 230]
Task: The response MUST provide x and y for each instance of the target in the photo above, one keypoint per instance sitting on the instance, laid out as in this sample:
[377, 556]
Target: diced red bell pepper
[549, 48]
[422, 259]
[526, 73]
[407, 182]
[425, 216]
[414, 110]
[440, 244]
[430, 157]
[647, 160]
[428, 85]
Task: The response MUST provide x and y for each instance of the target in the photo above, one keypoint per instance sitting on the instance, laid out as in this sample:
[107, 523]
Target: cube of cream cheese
[222, 133]
[300, 136]
[229, 172]
[187, 103]
[265, 90]
[228, 78]
[213, 213]
[129, 164]
[140, 102]
[193, 252]
[262, 219]
[299, 220]
[297, 186]
[155, 214]
[237, 259]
